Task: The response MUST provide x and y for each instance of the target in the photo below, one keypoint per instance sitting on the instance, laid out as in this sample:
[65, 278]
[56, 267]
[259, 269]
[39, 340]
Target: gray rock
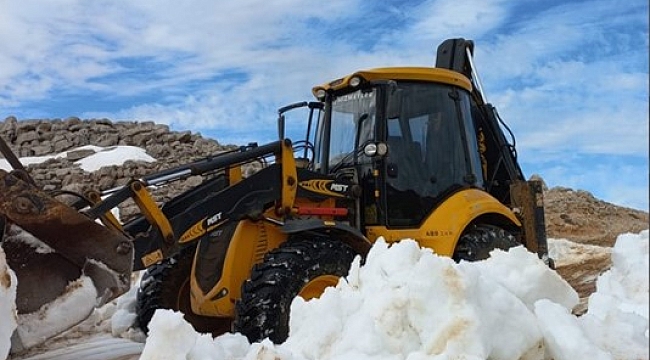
[26, 137]
[79, 154]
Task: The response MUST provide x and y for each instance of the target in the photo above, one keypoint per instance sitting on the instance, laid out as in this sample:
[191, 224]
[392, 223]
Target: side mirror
[281, 119]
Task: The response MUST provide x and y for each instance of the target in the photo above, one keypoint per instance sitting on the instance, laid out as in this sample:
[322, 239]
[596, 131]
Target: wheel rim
[316, 286]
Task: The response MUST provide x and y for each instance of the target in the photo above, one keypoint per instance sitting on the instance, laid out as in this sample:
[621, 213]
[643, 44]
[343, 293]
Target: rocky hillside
[570, 214]
[34, 138]
[579, 216]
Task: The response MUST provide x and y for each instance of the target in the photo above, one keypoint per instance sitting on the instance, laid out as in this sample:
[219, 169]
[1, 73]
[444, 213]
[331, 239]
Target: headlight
[382, 149]
[370, 150]
[355, 81]
[373, 149]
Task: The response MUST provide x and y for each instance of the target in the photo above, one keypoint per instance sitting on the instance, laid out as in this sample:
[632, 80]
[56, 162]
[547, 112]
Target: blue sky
[569, 77]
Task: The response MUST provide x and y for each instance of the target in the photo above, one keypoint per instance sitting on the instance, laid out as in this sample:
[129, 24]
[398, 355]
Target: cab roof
[426, 74]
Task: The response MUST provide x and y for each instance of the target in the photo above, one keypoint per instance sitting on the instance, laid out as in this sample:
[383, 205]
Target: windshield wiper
[347, 159]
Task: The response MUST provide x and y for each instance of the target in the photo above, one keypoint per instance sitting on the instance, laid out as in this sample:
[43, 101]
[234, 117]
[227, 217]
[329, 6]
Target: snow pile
[171, 337]
[617, 319]
[103, 156]
[405, 313]
[123, 317]
[7, 305]
[616, 323]
[75, 305]
[408, 303]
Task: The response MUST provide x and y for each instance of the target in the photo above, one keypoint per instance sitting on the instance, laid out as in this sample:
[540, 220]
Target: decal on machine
[439, 233]
[199, 229]
[326, 187]
[213, 219]
[339, 187]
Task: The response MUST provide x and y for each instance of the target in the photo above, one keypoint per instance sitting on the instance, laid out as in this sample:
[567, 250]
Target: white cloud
[573, 78]
[448, 18]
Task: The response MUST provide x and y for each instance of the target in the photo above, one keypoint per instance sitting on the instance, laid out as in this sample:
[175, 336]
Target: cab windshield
[352, 124]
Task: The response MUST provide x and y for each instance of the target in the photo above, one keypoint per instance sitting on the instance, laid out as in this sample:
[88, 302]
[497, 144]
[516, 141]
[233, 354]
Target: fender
[444, 226]
[337, 229]
[216, 278]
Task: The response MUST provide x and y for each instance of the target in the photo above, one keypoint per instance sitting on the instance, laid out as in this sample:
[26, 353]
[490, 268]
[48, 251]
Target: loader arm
[162, 230]
[229, 226]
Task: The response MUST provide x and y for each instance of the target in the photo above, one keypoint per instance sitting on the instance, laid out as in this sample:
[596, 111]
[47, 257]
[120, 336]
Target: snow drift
[408, 303]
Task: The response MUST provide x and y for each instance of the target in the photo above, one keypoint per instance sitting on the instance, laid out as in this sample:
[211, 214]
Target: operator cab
[406, 134]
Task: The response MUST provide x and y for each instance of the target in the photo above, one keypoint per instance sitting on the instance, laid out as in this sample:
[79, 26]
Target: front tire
[304, 267]
[479, 240]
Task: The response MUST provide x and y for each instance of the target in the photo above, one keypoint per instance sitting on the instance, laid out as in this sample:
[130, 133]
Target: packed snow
[75, 305]
[408, 303]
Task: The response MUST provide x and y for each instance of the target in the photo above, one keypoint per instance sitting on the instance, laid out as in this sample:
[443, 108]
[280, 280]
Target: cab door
[431, 151]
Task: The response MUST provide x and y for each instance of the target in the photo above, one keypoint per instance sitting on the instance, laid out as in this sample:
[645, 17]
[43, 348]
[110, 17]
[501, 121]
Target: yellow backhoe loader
[401, 152]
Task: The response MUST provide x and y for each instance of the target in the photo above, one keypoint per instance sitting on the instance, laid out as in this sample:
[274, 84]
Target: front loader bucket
[60, 246]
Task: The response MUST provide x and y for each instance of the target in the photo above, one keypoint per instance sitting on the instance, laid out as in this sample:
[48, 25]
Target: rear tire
[167, 286]
[479, 240]
[301, 267]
